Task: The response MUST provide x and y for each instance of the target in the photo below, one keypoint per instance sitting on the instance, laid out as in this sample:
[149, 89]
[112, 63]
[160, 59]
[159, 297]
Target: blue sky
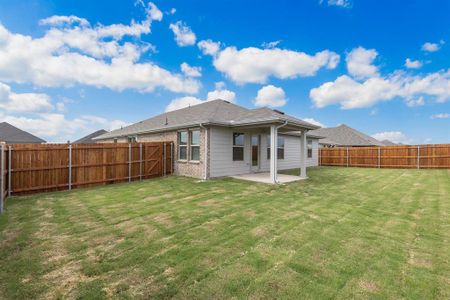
[71, 67]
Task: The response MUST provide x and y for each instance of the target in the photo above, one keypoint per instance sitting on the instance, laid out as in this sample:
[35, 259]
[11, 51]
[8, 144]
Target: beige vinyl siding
[291, 154]
[221, 150]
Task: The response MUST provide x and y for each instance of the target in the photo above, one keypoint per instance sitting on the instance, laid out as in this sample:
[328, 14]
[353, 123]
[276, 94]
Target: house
[12, 135]
[218, 138]
[344, 136]
[89, 139]
[389, 143]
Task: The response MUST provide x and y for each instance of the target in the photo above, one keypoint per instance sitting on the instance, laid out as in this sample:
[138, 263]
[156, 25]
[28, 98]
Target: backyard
[343, 233]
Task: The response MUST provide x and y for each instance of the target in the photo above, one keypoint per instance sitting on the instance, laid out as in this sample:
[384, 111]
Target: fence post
[9, 170]
[70, 167]
[129, 162]
[2, 178]
[347, 157]
[171, 158]
[164, 157]
[418, 157]
[140, 161]
[379, 157]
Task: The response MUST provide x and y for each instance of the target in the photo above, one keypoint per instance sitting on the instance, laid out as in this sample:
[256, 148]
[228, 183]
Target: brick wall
[182, 168]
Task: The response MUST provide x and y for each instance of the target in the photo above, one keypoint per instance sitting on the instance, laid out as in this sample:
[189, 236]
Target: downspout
[205, 177]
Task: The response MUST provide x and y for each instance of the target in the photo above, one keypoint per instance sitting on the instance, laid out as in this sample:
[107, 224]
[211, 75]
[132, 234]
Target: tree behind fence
[420, 156]
[49, 167]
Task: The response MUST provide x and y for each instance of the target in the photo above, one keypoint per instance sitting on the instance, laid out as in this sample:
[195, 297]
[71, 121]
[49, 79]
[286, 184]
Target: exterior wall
[221, 158]
[291, 154]
[181, 167]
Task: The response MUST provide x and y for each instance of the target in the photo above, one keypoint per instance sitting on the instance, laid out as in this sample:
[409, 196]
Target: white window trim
[196, 145]
[238, 146]
[179, 145]
[278, 147]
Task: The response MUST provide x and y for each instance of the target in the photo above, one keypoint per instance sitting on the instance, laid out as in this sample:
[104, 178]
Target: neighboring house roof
[389, 143]
[88, 139]
[345, 136]
[216, 112]
[13, 135]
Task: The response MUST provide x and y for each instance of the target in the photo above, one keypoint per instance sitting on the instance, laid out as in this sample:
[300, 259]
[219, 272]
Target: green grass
[344, 233]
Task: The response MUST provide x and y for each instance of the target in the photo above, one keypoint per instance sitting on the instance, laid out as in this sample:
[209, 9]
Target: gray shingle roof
[88, 139]
[13, 135]
[345, 136]
[216, 112]
[389, 143]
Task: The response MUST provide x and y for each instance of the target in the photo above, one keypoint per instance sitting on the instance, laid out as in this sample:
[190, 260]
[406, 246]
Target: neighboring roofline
[209, 123]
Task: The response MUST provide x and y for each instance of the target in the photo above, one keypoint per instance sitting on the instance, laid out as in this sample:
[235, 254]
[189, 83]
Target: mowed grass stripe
[344, 233]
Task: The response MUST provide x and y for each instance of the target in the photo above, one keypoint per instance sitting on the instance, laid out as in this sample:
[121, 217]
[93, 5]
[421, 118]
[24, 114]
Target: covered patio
[272, 130]
[264, 177]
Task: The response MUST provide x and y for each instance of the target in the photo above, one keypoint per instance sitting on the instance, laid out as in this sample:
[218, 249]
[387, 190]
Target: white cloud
[173, 11]
[26, 102]
[414, 102]
[441, 116]
[413, 64]
[183, 102]
[359, 63]
[349, 93]
[270, 45]
[393, 136]
[90, 55]
[255, 65]
[56, 127]
[270, 95]
[340, 3]
[432, 47]
[64, 20]
[314, 122]
[154, 12]
[208, 47]
[190, 71]
[183, 34]
[226, 95]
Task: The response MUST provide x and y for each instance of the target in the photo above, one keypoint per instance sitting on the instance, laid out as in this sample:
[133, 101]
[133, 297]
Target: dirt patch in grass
[260, 231]
[63, 280]
[419, 261]
[368, 285]
[163, 219]
[209, 203]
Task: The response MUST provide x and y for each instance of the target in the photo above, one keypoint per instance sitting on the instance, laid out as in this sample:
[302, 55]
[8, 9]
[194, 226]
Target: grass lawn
[344, 233]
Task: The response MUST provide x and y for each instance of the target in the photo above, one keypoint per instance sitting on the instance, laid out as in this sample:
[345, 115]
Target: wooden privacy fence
[420, 157]
[29, 168]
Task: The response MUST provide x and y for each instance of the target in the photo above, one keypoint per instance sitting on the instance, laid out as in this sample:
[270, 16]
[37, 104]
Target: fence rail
[419, 156]
[28, 168]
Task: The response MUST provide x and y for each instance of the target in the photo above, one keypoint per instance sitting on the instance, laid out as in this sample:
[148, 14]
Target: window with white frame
[194, 144]
[182, 145]
[132, 139]
[280, 147]
[310, 149]
[238, 146]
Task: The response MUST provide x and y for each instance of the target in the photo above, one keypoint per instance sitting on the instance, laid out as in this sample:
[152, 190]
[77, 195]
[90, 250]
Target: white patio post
[303, 151]
[273, 153]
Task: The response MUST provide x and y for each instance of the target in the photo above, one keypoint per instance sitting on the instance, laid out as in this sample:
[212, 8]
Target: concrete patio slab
[265, 177]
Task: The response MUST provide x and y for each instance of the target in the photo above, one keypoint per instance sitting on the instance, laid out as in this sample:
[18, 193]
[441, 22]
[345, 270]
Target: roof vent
[278, 111]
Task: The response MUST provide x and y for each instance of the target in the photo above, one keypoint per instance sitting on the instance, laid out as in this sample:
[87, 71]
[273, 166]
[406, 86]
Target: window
[115, 141]
[310, 149]
[280, 147]
[182, 145]
[238, 146]
[194, 144]
[132, 139]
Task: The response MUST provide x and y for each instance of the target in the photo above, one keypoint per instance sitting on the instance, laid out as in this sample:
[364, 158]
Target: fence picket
[420, 157]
